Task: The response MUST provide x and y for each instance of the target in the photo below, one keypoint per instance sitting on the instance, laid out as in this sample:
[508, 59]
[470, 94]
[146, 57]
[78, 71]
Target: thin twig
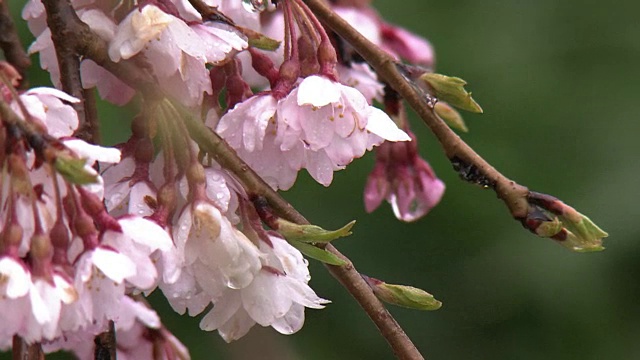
[461, 154]
[23, 351]
[10, 43]
[68, 60]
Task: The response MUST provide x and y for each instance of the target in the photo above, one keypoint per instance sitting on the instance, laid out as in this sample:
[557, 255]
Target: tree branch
[10, 42]
[64, 41]
[466, 161]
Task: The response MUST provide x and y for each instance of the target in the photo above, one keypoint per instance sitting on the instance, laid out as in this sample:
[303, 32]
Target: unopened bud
[569, 228]
[451, 116]
[451, 90]
[402, 295]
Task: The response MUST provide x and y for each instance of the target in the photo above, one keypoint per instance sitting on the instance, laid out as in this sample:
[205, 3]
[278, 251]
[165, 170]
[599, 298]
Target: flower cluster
[85, 230]
[65, 263]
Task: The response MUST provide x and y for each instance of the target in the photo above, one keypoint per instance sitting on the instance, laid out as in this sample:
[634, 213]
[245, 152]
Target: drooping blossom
[177, 52]
[405, 180]
[321, 126]
[276, 297]
[65, 264]
[396, 40]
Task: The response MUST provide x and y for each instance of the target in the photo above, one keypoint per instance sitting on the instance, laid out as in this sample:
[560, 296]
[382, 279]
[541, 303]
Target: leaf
[311, 233]
[451, 116]
[259, 40]
[317, 253]
[74, 170]
[451, 90]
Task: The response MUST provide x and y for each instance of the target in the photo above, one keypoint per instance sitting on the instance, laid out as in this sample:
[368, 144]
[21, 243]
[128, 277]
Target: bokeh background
[558, 81]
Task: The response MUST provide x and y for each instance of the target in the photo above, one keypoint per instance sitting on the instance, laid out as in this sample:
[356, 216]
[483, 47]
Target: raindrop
[255, 5]
[431, 101]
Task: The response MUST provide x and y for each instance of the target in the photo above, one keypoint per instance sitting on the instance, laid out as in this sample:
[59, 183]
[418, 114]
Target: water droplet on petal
[255, 5]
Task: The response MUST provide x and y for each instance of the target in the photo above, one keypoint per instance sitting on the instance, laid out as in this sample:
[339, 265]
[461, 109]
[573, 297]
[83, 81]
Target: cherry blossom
[320, 126]
[276, 297]
[87, 230]
[405, 180]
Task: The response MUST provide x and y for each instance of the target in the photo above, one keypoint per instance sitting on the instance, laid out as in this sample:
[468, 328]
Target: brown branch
[106, 344]
[10, 43]
[471, 165]
[64, 41]
[209, 13]
[23, 351]
[91, 46]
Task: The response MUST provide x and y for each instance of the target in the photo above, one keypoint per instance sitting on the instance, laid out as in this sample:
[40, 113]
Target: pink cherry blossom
[405, 180]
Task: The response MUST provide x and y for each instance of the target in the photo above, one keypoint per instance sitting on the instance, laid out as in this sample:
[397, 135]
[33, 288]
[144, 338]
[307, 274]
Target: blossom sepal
[75, 170]
[403, 295]
[317, 253]
[311, 234]
[451, 89]
[450, 116]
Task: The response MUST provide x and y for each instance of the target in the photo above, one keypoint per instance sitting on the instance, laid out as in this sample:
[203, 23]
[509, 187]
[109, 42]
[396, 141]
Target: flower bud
[402, 295]
[568, 227]
[451, 116]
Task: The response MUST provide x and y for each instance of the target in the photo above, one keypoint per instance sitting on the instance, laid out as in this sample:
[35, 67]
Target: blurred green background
[558, 81]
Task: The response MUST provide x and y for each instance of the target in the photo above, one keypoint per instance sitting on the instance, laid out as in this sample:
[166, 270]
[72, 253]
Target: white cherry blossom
[276, 297]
